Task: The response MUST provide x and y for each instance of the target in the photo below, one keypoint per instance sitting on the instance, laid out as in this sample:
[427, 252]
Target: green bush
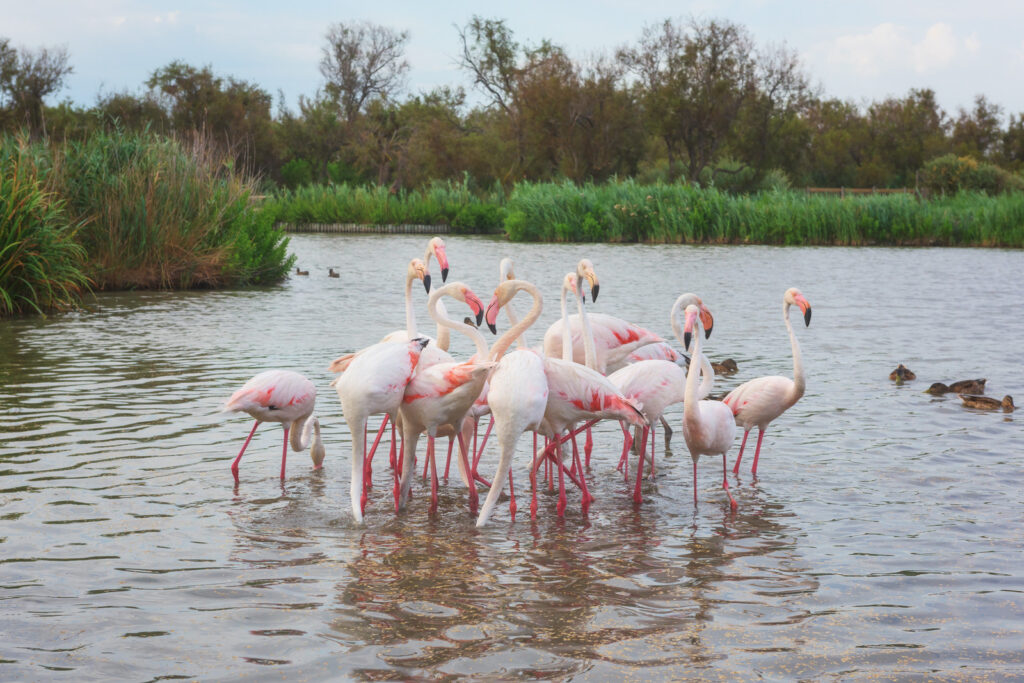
[477, 217]
[40, 262]
[296, 173]
[950, 174]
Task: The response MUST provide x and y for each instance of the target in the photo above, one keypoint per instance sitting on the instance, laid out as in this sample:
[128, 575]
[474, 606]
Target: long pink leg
[234, 464]
[533, 480]
[393, 454]
[575, 455]
[695, 481]
[757, 452]
[586, 497]
[284, 453]
[588, 445]
[448, 461]
[622, 458]
[654, 429]
[368, 464]
[512, 500]
[470, 474]
[736, 467]
[379, 431]
[725, 482]
[483, 444]
[433, 476]
[560, 508]
[637, 498]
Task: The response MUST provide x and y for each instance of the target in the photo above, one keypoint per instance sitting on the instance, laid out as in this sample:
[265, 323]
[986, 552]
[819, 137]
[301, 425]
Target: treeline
[695, 100]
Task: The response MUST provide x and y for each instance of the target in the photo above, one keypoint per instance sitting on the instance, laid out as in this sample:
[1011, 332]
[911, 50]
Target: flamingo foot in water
[234, 464]
[725, 483]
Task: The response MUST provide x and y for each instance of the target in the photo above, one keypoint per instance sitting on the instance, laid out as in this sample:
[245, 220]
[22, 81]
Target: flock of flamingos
[590, 367]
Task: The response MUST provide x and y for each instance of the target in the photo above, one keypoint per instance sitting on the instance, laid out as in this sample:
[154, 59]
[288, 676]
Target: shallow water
[883, 535]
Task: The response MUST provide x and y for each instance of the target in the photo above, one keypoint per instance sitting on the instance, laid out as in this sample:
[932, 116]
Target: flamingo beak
[476, 306]
[442, 260]
[492, 314]
[595, 286]
[805, 306]
[688, 330]
[426, 282]
[707, 320]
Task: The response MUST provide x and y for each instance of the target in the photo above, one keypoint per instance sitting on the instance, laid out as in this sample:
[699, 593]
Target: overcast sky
[863, 50]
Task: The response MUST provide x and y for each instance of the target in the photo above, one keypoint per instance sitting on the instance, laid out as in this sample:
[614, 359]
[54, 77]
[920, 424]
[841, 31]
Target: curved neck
[444, 334]
[799, 379]
[410, 316]
[566, 333]
[513, 320]
[707, 380]
[444, 323]
[501, 346]
[691, 415]
[589, 349]
[304, 431]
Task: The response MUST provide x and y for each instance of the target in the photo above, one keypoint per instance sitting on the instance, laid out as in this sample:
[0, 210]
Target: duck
[987, 403]
[331, 272]
[964, 386]
[301, 272]
[902, 374]
[726, 367]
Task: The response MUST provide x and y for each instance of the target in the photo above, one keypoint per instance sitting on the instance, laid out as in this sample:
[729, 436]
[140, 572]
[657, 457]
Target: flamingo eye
[271, 407]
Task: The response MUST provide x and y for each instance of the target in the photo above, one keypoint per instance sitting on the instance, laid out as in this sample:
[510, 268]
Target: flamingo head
[503, 293]
[569, 283]
[466, 295]
[418, 271]
[793, 297]
[505, 267]
[691, 315]
[585, 271]
[436, 248]
[706, 319]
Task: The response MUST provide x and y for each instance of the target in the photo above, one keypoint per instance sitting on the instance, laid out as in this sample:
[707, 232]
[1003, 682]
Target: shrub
[950, 174]
[296, 173]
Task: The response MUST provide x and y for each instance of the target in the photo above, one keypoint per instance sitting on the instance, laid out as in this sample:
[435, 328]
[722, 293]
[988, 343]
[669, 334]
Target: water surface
[883, 535]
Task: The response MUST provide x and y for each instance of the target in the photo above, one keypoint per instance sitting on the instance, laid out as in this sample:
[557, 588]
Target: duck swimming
[986, 403]
[964, 386]
[726, 367]
[299, 271]
[331, 272]
[902, 374]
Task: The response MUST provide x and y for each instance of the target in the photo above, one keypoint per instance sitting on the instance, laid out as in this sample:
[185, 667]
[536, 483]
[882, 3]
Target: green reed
[41, 264]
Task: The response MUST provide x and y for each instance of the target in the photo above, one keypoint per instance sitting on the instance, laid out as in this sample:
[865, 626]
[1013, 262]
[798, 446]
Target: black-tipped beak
[707, 333]
[426, 282]
[423, 342]
[444, 274]
[807, 317]
[480, 317]
[492, 328]
[687, 336]
[593, 292]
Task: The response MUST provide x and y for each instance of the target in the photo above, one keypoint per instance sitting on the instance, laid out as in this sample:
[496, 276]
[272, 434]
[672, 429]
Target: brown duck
[902, 374]
[299, 271]
[964, 386]
[726, 367]
[986, 403]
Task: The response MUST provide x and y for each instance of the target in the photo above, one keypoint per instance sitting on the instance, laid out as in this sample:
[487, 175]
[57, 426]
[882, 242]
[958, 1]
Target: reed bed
[41, 263]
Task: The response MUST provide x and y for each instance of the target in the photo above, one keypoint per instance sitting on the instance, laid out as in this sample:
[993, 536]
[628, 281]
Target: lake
[882, 537]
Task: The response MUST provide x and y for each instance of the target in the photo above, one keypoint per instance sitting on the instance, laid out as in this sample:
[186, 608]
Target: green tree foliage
[27, 78]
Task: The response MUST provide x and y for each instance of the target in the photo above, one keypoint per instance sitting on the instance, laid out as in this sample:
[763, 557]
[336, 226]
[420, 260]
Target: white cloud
[938, 48]
[890, 47]
[866, 53]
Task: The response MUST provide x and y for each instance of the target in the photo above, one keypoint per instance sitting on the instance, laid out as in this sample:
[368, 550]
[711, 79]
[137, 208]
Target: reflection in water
[880, 539]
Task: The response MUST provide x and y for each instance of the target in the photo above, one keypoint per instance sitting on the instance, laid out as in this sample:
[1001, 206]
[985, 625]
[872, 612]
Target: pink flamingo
[657, 384]
[439, 396]
[708, 426]
[761, 400]
[373, 383]
[518, 393]
[286, 397]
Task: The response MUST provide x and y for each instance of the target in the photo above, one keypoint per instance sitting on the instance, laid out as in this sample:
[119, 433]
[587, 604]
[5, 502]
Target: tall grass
[163, 214]
[631, 212]
[40, 261]
[442, 203]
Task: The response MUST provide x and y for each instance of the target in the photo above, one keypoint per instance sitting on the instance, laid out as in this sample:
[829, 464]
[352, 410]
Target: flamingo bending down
[761, 400]
[518, 389]
[374, 383]
[708, 426]
[286, 397]
[439, 396]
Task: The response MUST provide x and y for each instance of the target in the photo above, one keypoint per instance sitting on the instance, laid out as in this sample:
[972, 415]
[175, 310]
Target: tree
[976, 133]
[363, 62]
[905, 133]
[27, 78]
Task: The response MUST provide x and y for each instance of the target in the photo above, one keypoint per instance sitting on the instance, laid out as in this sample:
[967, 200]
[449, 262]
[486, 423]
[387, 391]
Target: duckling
[902, 374]
[986, 403]
[964, 386]
[301, 272]
[726, 367]
[331, 272]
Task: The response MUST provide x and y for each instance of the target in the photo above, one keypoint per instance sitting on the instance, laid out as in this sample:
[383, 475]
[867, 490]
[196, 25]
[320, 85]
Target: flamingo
[708, 426]
[286, 397]
[440, 395]
[761, 400]
[614, 338]
[657, 384]
[374, 383]
[518, 390]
